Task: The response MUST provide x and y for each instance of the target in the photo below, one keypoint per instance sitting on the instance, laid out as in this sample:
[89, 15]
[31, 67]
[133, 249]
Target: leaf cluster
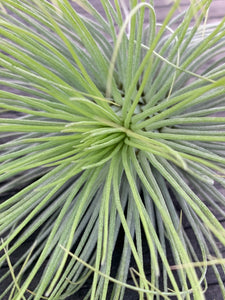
[111, 123]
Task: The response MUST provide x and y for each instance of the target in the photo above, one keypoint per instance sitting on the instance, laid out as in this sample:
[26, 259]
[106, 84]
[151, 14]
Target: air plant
[111, 124]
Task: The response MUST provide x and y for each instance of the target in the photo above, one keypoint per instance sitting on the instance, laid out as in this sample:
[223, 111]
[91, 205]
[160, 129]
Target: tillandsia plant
[111, 124]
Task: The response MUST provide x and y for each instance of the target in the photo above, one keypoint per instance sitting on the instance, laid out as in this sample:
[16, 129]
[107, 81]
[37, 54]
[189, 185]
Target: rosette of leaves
[110, 124]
